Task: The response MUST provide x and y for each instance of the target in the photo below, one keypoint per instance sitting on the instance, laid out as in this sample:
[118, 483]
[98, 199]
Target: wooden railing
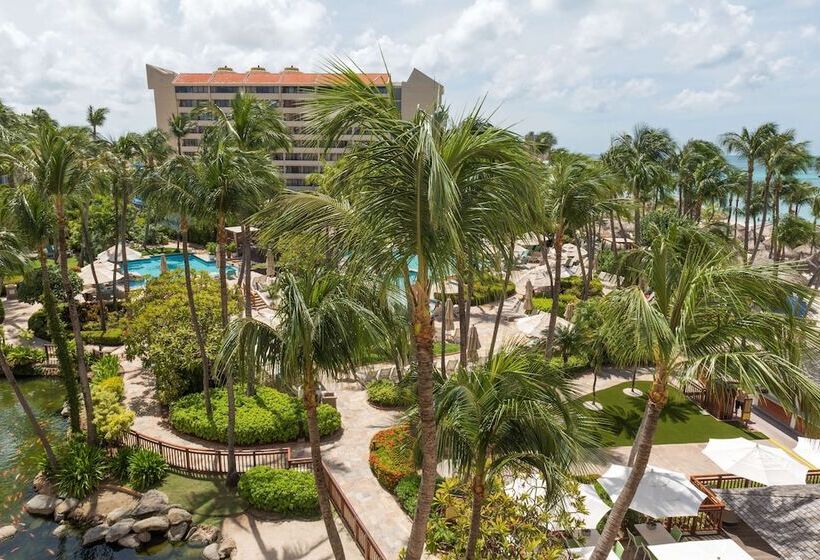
[367, 544]
[215, 461]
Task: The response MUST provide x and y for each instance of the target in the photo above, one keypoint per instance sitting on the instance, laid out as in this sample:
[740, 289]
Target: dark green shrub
[407, 492]
[285, 491]
[489, 287]
[110, 337]
[80, 469]
[118, 463]
[329, 420]
[388, 393]
[24, 360]
[30, 289]
[38, 324]
[146, 469]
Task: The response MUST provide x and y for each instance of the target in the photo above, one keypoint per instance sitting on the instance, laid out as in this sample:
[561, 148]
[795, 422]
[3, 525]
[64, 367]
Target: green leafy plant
[30, 289]
[146, 469]
[407, 492]
[388, 393]
[105, 367]
[38, 324]
[81, 468]
[24, 360]
[285, 491]
[110, 337]
[391, 455]
[118, 463]
[111, 418]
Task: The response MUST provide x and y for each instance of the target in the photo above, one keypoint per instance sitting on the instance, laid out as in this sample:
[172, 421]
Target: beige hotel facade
[177, 93]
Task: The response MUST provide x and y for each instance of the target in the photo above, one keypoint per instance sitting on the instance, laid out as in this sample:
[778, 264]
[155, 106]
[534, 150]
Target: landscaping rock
[95, 534]
[202, 535]
[178, 515]
[117, 514]
[143, 537]
[119, 529]
[211, 552]
[152, 524]
[42, 504]
[61, 530]
[42, 485]
[64, 508]
[129, 541]
[226, 547]
[177, 532]
[7, 531]
[152, 502]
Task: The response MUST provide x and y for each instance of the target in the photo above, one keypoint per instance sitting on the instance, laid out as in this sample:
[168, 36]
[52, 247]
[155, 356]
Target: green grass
[208, 500]
[681, 420]
[449, 348]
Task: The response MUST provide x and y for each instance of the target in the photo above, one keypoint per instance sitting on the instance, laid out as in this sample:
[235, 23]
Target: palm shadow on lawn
[623, 421]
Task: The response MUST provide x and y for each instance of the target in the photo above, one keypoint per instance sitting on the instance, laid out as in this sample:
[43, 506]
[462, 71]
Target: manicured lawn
[449, 348]
[681, 420]
[206, 498]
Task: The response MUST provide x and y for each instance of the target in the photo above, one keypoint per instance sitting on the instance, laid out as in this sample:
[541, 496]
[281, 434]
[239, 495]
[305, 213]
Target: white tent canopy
[751, 460]
[719, 549]
[534, 325]
[809, 450]
[661, 493]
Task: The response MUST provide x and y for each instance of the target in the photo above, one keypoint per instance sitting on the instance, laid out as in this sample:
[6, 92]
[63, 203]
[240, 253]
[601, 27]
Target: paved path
[17, 315]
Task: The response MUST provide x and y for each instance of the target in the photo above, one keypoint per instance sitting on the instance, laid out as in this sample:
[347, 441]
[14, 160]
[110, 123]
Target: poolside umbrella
[760, 463]
[595, 506]
[449, 321]
[528, 294]
[163, 265]
[661, 493]
[270, 264]
[473, 345]
[809, 450]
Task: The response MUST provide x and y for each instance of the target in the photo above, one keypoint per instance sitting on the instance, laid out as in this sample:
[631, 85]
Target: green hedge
[545, 303]
[38, 324]
[388, 393]
[268, 417]
[391, 455]
[407, 493]
[284, 491]
[110, 337]
[488, 288]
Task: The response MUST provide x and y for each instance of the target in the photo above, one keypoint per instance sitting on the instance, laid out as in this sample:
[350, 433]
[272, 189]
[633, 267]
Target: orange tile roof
[252, 77]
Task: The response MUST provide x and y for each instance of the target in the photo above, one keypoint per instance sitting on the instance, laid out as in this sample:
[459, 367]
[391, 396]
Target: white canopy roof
[752, 460]
[719, 549]
[108, 254]
[809, 449]
[661, 493]
[534, 325]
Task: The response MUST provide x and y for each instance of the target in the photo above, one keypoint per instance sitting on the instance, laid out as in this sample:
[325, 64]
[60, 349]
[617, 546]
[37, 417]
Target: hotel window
[224, 89]
[191, 89]
[262, 89]
[382, 89]
[306, 89]
[290, 89]
[186, 102]
[222, 102]
[295, 182]
[190, 142]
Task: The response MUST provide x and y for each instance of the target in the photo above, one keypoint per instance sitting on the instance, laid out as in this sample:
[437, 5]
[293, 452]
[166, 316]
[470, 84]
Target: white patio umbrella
[163, 264]
[809, 449]
[595, 506]
[270, 263]
[528, 295]
[761, 463]
[473, 344]
[718, 549]
[449, 321]
[534, 325]
[661, 493]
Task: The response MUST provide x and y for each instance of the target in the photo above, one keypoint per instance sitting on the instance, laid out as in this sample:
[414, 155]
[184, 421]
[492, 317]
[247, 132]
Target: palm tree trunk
[759, 239]
[643, 443]
[637, 218]
[90, 251]
[737, 205]
[545, 257]
[507, 274]
[245, 279]
[591, 246]
[422, 328]
[729, 206]
[585, 283]
[814, 235]
[21, 398]
[55, 327]
[556, 290]
[443, 332]
[200, 339]
[475, 514]
[612, 232]
[463, 328]
[309, 397]
[123, 241]
[775, 218]
[82, 371]
[116, 250]
[223, 278]
[750, 169]
[233, 477]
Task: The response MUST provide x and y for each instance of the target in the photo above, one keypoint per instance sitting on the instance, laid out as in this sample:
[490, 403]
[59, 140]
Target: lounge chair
[618, 549]
[677, 534]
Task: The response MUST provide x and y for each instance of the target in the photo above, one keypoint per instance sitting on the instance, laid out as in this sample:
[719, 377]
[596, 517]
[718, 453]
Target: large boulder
[41, 504]
[61, 530]
[177, 532]
[7, 531]
[226, 547]
[151, 503]
[129, 541]
[152, 524]
[211, 552]
[64, 508]
[143, 537]
[202, 535]
[178, 515]
[119, 529]
[117, 514]
[95, 534]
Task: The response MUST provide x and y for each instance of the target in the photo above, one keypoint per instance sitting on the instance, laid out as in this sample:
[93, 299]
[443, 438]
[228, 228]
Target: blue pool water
[150, 267]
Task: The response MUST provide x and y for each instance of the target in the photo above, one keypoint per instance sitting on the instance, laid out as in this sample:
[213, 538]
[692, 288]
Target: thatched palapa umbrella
[528, 295]
[473, 345]
[449, 320]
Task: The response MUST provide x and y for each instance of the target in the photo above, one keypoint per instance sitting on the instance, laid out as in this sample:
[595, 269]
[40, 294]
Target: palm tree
[791, 232]
[180, 125]
[815, 212]
[12, 260]
[541, 143]
[749, 144]
[567, 341]
[515, 411]
[787, 157]
[96, 118]
[711, 319]
[323, 326]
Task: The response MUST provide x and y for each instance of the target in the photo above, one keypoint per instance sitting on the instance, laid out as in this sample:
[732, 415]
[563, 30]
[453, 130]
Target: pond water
[19, 458]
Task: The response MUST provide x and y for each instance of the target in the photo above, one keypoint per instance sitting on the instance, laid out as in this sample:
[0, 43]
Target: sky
[583, 69]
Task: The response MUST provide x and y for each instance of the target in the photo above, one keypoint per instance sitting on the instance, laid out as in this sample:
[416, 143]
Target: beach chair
[451, 365]
[618, 549]
[636, 541]
[677, 534]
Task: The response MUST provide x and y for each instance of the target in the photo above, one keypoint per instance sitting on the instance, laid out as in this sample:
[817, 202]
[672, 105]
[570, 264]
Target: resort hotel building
[177, 93]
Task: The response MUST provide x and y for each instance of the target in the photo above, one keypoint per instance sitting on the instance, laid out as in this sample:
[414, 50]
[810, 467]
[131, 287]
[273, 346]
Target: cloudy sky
[583, 69]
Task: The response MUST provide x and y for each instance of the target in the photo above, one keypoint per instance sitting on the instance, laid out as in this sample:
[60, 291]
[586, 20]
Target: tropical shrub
[328, 419]
[111, 418]
[114, 385]
[118, 463]
[285, 491]
[146, 469]
[38, 324]
[210, 246]
[388, 393]
[30, 288]
[407, 493]
[109, 337]
[391, 455]
[488, 288]
[160, 331]
[575, 285]
[24, 360]
[80, 469]
[105, 367]
[544, 304]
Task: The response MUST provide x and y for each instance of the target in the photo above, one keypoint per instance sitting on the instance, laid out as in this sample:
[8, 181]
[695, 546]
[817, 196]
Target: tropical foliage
[288, 492]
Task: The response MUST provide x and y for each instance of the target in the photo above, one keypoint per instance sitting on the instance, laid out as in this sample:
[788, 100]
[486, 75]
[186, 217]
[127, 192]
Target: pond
[19, 458]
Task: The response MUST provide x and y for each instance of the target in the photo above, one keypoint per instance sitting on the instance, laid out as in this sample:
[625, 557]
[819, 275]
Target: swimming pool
[150, 267]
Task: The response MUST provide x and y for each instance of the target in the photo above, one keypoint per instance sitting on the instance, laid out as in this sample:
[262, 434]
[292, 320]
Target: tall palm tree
[786, 157]
[815, 212]
[515, 411]
[95, 119]
[180, 125]
[323, 327]
[541, 143]
[749, 144]
[711, 319]
[12, 260]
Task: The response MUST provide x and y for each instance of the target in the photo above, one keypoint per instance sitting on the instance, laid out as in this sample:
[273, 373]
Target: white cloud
[603, 97]
[700, 100]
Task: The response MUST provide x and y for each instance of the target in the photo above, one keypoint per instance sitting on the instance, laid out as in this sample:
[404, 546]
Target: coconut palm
[791, 232]
[710, 319]
[515, 411]
[749, 144]
[180, 125]
[789, 158]
[11, 261]
[815, 212]
[95, 119]
[541, 143]
[323, 327]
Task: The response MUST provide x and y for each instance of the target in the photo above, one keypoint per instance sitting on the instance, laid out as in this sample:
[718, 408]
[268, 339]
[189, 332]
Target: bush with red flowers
[391, 455]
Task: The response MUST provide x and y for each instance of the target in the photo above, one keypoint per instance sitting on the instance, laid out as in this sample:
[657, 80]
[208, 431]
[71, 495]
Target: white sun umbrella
[528, 295]
[473, 344]
[534, 325]
[661, 493]
[449, 320]
[163, 264]
[270, 264]
[595, 506]
[751, 460]
[714, 549]
[809, 449]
